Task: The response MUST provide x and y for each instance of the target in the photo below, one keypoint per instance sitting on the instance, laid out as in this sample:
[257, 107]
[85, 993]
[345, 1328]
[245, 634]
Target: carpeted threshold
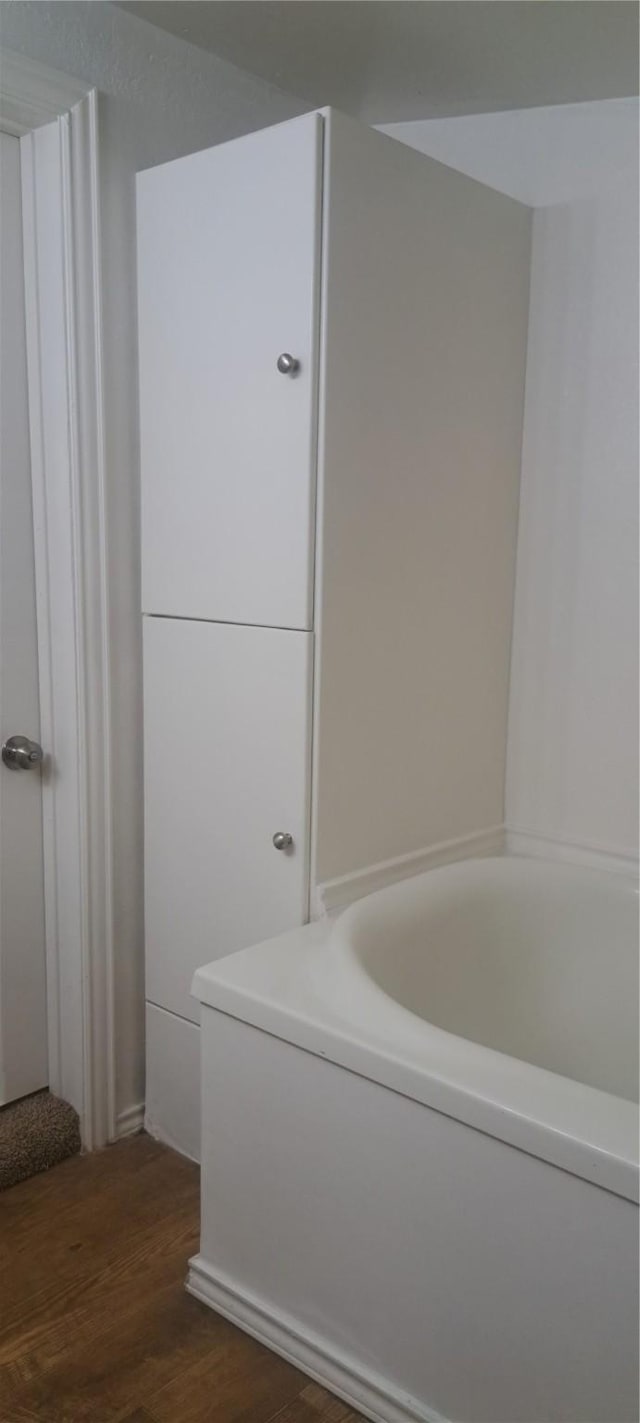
[35, 1134]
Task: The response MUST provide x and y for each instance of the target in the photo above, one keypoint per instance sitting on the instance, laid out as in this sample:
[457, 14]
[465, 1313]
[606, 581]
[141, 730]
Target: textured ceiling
[387, 60]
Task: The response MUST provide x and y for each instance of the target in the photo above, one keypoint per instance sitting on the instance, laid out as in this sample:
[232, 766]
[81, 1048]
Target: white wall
[540, 156]
[160, 98]
[573, 729]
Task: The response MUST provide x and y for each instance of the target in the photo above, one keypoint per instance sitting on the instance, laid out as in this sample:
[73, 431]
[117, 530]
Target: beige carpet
[35, 1134]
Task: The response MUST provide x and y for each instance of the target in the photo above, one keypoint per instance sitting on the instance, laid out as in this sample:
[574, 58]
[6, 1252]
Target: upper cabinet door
[228, 279]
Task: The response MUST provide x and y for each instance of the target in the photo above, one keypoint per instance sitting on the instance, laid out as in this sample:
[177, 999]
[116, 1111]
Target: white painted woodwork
[226, 765]
[419, 320]
[425, 299]
[23, 1006]
[63, 275]
[228, 244]
[33, 94]
[172, 1106]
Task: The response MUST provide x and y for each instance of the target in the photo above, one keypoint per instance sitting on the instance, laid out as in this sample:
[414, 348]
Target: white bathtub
[420, 1146]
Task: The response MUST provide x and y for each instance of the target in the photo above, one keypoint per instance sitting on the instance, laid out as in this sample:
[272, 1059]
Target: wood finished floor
[95, 1324]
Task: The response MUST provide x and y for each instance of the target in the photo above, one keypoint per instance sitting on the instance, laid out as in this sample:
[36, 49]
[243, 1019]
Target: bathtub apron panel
[420, 1268]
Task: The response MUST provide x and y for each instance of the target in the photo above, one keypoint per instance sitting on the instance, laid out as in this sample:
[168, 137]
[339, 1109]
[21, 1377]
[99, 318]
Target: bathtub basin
[534, 960]
[420, 1146]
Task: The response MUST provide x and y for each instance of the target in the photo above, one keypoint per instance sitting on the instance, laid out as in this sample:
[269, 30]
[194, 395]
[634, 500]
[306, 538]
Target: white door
[226, 769]
[228, 281]
[23, 1015]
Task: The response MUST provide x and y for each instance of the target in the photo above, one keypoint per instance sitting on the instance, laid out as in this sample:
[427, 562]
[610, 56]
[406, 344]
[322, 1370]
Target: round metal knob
[21, 754]
[287, 365]
[282, 840]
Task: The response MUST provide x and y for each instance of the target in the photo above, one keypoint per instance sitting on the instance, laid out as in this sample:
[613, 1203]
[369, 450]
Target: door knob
[21, 754]
[282, 840]
[287, 365]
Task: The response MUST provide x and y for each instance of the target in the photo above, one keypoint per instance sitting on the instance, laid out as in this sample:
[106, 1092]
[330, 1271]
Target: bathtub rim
[280, 986]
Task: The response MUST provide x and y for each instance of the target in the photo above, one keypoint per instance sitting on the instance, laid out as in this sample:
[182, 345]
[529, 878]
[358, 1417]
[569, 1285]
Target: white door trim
[61, 217]
[31, 94]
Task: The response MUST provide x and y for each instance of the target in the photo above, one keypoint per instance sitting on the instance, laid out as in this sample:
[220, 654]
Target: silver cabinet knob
[21, 754]
[282, 840]
[287, 365]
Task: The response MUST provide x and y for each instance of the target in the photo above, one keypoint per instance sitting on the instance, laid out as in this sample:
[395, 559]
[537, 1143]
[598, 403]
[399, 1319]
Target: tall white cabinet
[332, 350]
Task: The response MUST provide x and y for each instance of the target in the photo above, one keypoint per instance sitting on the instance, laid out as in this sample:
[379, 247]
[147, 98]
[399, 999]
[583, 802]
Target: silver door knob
[287, 365]
[21, 754]
[282, 840]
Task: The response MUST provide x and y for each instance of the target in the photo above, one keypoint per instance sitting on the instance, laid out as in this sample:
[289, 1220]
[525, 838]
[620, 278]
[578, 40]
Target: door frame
[56, 118]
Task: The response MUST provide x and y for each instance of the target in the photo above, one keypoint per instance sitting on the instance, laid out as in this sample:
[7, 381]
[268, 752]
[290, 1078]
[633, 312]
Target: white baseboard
[131, 1121]
[336, 894]
[520, 841]
[165, 1138]
[359, 1386]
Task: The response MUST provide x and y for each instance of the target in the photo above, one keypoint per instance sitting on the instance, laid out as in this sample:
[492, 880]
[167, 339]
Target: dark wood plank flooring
[95, 1324]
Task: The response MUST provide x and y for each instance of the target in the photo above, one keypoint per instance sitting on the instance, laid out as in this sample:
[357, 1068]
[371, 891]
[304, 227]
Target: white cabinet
[229, 243]
[226, 768]
[364, 506]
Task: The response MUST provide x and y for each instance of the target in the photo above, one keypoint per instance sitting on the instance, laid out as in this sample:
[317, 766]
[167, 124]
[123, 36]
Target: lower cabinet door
[227, 754]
